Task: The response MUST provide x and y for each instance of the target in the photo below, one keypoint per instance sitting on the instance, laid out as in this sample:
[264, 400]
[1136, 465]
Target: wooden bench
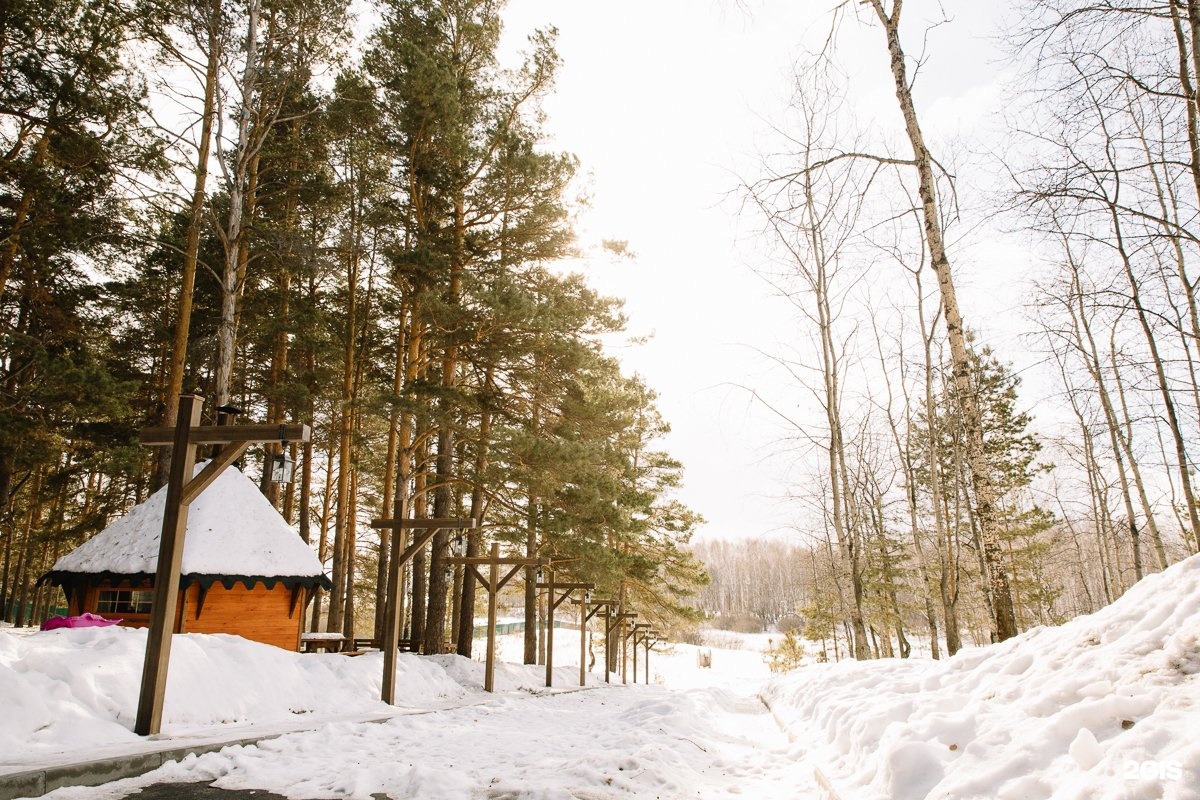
[328, 642]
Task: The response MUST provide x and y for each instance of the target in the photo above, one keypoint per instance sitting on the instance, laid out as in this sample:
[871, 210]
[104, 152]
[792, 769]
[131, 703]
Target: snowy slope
[1105, 706]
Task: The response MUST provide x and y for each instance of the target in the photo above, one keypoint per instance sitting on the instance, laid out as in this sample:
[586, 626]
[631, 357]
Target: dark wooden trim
[202, 592]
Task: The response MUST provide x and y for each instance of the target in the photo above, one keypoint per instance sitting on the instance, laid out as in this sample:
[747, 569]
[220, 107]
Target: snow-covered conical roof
[232, 529]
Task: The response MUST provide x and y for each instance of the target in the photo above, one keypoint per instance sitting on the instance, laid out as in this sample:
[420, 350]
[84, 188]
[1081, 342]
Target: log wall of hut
[272, 616]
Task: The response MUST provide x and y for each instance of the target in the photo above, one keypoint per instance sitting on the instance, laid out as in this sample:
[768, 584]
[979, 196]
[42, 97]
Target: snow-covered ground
[1106, 706]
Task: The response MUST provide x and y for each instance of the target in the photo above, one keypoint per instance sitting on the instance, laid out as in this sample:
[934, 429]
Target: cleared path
[623, 742]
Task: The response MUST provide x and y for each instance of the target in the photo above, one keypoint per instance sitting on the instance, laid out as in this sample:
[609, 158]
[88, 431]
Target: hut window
[124, 601]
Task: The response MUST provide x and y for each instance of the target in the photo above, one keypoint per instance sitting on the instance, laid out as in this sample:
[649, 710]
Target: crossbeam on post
[597, 606]
[584, 615]
[401, 554]
[552, 603]
[183, 487]
[634, 630]
[494, 583]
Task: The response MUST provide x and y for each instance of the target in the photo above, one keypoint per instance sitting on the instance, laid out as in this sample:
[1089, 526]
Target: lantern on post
[540, 575]
[283, 468]
[458, 545]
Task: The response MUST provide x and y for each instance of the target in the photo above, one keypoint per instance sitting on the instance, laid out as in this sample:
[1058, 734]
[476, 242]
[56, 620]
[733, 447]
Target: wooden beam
[493, 579]
[478, 575]
[166, 580]
[229, 454]
[223, 434]
[401, 554]
[565, 596]
[419, 541]
[512, 572]
[583, 636]
[551, 604]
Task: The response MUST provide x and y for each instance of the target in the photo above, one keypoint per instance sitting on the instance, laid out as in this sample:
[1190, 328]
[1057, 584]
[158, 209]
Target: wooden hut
[245, 571]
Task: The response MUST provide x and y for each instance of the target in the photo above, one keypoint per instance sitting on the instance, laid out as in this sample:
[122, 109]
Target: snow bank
[1105, 706]
[69, 690]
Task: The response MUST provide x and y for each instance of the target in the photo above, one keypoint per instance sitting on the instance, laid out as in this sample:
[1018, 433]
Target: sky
[668, 103]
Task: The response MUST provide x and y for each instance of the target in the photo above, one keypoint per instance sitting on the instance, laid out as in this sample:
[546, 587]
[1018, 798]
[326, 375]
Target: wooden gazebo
[245, 571]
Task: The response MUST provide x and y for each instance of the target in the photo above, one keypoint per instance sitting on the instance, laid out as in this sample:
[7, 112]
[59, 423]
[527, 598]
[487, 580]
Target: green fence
[503, 628]
[28, 608]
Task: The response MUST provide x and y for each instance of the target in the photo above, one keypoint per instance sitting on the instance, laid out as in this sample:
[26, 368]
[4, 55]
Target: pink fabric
[87, 620]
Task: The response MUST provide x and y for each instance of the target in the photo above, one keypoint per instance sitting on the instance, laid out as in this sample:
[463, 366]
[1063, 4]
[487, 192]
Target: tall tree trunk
[183, 321]
[948, 573]
[351, 558]
[420, 562]
[389, 481]
[447, 481]
[466, 622]
[9, 530]
[978, 460]
[904, 450]
[233, 231]
[1164, 386]
[12, 238]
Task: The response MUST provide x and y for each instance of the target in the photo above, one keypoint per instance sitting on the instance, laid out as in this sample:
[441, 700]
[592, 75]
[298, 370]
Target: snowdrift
[1104, 706]
[68, 690]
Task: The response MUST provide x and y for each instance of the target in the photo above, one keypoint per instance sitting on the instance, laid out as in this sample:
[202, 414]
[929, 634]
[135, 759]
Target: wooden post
[550, 606]
[390, 643]
[493, 583]
[624, 656]
[184, 486]
[587, 611]
[166, 578]
[607, 640]
[553, 602]
[640, 634]
[616, 629]
[493, 590]
[635, 648]
[401, 553]
[583, 618]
